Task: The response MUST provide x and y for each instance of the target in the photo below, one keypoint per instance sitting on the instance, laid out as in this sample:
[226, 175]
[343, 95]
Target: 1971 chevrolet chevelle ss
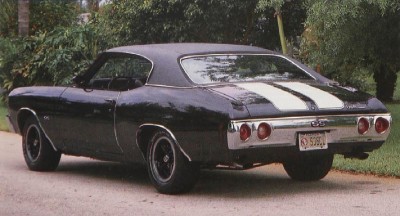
[183, 107]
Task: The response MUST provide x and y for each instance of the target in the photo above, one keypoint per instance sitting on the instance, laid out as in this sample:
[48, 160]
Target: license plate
[312, 141]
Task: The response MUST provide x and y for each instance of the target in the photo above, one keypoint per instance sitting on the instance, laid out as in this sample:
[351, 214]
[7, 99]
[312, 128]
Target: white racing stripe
[322, 99]
[281, 99]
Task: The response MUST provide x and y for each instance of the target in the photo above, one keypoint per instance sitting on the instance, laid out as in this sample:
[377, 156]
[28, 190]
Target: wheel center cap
[166, 158]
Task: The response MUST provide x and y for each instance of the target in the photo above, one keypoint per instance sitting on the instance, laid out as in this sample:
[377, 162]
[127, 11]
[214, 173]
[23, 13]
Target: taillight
[245, 132]
[363, 125]
[263, 131]
[381, 125]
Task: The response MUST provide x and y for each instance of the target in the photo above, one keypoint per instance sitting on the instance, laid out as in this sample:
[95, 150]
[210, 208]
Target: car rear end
[351, 134]
[295, 116]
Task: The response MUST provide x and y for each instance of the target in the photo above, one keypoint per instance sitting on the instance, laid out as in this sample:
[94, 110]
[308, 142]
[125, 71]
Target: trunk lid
[277, 99]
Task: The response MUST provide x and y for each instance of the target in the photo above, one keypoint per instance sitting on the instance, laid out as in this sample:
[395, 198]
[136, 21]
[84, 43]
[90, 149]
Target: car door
[89, 111]
[89, 120]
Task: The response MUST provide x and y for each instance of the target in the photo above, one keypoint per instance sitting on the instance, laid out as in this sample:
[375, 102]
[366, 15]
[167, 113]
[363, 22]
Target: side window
[121, 72]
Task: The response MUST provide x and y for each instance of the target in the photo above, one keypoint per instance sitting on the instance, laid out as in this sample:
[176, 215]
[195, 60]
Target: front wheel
[169, 170]
[38, 153]
[309, 168]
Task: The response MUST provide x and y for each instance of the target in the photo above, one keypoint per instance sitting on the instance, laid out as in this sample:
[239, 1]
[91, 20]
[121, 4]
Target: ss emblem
[318, 123]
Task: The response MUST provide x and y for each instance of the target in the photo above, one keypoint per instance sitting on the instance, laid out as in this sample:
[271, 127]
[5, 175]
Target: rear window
[210, 69]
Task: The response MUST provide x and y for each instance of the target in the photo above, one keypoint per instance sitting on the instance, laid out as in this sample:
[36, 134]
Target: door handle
[110, 101]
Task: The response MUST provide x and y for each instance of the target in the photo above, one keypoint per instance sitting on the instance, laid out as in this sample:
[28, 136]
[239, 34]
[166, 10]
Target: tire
[38, 153]
[309, 168]
[169, 170]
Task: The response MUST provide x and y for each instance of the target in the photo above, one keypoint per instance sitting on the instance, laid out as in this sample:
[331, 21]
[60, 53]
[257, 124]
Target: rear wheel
[169, 170]
[38, 153]
[309, 168]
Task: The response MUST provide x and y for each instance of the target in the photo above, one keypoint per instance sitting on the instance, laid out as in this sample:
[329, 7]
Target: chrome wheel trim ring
[163, 159]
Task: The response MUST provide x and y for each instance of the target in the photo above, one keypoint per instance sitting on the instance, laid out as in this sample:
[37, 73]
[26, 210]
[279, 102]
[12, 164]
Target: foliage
[59, 48]
[3, 112]
[8, 18]
[11, 57]
[44, 15]
[346, 37]
[266, 31]
[157, 21]
[49, 58]
[275, 4]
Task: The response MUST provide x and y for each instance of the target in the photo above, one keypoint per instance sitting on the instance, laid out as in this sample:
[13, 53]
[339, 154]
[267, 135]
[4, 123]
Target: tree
[56, 49]
[277, 5]
[47, 15]
[352, 38]
[23, 17]
[8, 18]
[35, 16]
[233, 21]
[93, 5]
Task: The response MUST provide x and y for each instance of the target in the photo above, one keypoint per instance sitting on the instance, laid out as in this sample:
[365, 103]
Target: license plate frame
[309, 141]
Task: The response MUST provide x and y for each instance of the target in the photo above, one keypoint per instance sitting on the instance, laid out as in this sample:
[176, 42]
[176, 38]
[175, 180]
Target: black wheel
[169, 170]
[309, 168]
[38, 153]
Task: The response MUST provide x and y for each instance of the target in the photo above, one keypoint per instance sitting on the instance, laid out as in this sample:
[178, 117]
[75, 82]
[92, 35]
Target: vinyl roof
[179, 49]
[167, 70]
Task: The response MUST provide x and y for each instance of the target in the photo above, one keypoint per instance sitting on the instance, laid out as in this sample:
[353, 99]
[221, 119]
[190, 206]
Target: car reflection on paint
[180, 108]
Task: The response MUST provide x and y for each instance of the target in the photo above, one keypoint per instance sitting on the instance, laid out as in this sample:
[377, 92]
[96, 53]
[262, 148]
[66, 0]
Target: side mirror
[79, 80]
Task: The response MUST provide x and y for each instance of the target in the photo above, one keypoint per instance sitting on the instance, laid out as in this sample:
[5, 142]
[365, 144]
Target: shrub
[49, 58]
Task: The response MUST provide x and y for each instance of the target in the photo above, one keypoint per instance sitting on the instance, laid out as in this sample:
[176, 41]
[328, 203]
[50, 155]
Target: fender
[21, 121]
[165, 129]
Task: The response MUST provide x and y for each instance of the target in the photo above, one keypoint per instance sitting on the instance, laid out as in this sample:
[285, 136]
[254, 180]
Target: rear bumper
[339, 129]
[287, 153]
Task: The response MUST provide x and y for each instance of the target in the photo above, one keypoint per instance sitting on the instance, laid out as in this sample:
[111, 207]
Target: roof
[179, 49]
[167, 70]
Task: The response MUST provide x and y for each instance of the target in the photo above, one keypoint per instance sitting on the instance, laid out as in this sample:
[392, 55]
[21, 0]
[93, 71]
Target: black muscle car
[184, 107]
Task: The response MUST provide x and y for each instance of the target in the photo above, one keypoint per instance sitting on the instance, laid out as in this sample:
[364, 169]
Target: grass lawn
[385, 160]
[3, 113]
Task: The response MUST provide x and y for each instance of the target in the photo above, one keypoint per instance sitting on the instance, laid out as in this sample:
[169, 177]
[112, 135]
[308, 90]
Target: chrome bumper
[338, 128]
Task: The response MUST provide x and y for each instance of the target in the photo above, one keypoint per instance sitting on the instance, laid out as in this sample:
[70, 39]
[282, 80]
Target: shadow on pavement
[254, 183]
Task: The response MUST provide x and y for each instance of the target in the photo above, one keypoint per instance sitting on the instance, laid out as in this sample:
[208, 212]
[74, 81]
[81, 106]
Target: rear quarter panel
[197, 117]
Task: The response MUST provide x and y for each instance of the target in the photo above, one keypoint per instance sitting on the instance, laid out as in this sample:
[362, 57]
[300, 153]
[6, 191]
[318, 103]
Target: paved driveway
[83, 186]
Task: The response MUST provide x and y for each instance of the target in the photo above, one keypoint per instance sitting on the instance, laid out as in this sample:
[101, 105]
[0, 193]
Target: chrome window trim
[40, 125]
[232, 54]
[167, 86]
[133, 53]
[339, 129]
[168, 131]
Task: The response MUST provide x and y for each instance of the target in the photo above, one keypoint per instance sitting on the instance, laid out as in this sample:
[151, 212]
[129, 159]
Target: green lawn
[384, 161]
[3, 113]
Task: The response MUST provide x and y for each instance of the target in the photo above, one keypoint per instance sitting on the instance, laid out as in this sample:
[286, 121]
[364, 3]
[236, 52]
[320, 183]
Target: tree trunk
[23, 18]
[281, 32]
[385, 83]
[94, 5]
